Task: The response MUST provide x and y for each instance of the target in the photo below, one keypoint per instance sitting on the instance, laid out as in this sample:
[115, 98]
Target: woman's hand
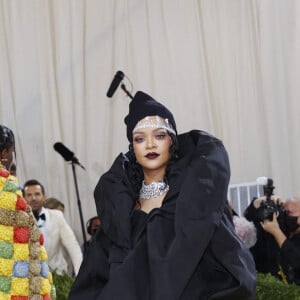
[273, 228]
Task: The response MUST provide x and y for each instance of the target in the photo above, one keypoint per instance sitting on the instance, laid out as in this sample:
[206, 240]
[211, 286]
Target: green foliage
[62, 285]
[269, 287]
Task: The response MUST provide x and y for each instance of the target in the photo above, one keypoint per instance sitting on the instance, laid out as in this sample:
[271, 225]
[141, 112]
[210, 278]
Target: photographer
[277, 250]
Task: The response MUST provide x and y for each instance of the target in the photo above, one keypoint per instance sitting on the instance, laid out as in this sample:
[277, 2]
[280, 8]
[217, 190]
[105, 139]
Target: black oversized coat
[185, 250]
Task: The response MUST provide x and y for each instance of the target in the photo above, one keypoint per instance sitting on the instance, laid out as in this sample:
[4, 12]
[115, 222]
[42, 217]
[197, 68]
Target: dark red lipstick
[152, 155]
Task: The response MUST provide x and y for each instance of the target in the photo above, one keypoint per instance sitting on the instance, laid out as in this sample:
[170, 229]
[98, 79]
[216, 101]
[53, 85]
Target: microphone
[115, 83]
[67, 154]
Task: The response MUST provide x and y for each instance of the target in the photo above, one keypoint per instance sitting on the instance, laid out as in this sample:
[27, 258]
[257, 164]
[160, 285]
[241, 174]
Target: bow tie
[41, 216]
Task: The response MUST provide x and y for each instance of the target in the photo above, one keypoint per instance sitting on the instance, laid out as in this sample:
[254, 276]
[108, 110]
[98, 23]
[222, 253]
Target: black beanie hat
[143, 105]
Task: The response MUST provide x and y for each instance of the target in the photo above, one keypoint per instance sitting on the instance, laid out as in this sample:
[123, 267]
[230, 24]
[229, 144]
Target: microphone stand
[123, 87]
[80, 209]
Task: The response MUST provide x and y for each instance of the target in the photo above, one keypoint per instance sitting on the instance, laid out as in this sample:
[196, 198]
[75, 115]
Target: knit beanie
[143, 105]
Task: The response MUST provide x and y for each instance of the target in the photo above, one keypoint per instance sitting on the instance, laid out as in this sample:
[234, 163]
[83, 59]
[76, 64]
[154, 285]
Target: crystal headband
[156, 123]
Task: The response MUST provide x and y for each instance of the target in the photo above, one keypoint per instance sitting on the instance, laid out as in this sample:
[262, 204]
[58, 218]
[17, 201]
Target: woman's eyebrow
[138, 132]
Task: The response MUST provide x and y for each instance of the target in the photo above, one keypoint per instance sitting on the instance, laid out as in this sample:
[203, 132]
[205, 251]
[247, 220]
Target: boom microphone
[115, 83]
[67, 154]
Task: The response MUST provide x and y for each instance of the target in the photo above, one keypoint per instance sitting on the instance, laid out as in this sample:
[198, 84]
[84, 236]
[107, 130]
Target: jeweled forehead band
[157, 123]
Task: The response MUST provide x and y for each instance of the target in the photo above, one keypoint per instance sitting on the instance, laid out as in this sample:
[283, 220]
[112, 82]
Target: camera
[268, 208]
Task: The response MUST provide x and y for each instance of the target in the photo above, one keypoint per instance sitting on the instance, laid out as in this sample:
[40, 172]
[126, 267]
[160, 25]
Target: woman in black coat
[166, 233]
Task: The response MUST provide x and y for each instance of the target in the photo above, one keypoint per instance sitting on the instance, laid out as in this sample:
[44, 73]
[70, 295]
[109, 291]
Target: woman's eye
[161, 136]
[138, 139]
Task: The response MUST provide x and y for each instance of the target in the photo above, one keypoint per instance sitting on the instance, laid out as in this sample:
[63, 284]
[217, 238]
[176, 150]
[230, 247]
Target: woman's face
[7, 156]
[152, 147]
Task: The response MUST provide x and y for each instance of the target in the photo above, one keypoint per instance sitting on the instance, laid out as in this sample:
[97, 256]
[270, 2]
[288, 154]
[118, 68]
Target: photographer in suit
[277, 250]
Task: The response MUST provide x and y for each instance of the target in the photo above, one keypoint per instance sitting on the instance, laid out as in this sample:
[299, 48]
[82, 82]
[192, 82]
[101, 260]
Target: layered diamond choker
[153, 190]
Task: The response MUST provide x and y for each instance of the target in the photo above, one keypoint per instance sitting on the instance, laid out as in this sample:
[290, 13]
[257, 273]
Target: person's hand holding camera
[272, 227]
[276, 199]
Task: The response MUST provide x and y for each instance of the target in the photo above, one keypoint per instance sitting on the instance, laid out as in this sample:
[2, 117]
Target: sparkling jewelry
[153, 190]
[156, 123]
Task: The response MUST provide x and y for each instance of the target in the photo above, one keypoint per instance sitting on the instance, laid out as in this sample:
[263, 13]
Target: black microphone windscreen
[115, 83]
[64, 151]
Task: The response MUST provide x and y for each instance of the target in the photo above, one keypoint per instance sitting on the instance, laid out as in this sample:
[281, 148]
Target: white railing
[240, 195]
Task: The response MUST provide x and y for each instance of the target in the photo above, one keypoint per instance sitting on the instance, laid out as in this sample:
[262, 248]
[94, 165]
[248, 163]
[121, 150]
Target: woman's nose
[150, 143]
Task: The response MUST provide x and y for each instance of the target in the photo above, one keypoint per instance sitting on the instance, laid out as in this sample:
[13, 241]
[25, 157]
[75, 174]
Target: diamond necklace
[153, 190]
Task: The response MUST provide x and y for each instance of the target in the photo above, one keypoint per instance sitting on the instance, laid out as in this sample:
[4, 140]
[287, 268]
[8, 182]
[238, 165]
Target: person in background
[165, 227]
[92, 226]
[24, 271]
[59, 236]
[53, 203]
[277, 250]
